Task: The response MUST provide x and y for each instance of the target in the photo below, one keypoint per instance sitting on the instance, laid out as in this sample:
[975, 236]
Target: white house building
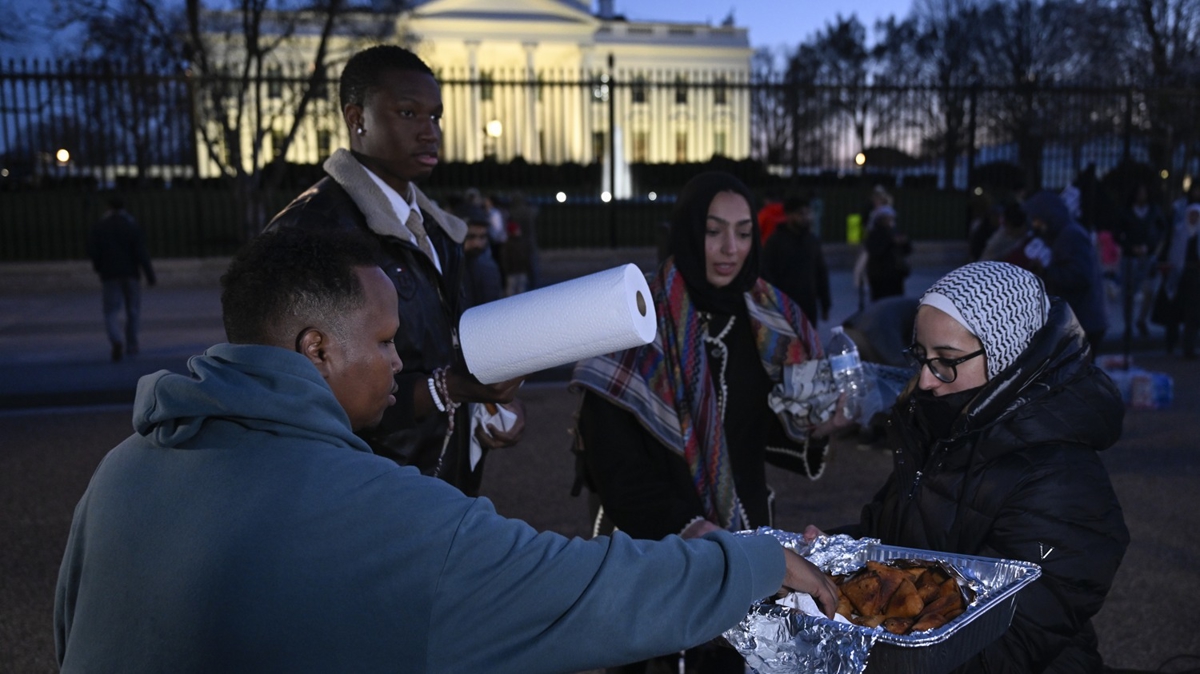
[550, 81]
[675, 89]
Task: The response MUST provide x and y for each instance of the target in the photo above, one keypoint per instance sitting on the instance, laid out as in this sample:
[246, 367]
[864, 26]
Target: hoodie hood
[1048, 207]
[256, 387]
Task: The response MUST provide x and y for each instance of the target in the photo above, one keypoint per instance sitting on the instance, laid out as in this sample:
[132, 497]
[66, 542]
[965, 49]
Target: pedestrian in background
[481, 273]
[517, 255]
[1073, 270]
[1011, 234]
[985, 222]
[495, 206]
[117, 246]
[880, 203]
[794, 262]
[887, 255]
[770, 216]
[1181, 284]
[1140, 234]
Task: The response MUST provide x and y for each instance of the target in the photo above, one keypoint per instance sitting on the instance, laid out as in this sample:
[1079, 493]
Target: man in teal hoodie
[245, 527]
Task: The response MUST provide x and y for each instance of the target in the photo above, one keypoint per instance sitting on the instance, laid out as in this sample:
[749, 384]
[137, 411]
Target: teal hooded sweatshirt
[245, 528]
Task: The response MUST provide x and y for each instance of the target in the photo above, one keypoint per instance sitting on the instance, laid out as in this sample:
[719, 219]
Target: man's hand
[811, 533]
[465, 388]
[494, 438]
[803, 576]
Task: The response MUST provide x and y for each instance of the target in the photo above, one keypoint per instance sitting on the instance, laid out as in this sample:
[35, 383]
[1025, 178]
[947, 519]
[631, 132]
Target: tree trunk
[251, 204]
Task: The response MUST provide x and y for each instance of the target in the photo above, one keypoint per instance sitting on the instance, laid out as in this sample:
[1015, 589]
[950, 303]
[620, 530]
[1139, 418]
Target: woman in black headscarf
[675, 435]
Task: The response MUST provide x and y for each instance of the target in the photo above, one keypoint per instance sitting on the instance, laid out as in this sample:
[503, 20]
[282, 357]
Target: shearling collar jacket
[430, 305]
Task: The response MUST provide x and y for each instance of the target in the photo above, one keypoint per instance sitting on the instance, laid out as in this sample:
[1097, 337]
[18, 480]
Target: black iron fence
[603, 152]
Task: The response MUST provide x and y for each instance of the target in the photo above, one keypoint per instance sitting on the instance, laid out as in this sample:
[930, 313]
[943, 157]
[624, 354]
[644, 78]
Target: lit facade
[679, 91]
[548, 81]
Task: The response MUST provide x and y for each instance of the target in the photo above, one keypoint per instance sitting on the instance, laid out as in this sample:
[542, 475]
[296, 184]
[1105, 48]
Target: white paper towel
[589, 316]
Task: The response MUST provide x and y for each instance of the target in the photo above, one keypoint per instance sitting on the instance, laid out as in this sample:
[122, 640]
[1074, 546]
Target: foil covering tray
[778, 640]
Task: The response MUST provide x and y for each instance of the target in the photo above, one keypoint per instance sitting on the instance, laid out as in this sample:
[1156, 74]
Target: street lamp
[860, 159]
[494, 129]
[63, 156]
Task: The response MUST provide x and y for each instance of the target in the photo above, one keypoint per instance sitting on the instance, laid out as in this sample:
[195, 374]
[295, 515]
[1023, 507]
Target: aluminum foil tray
[779, 640]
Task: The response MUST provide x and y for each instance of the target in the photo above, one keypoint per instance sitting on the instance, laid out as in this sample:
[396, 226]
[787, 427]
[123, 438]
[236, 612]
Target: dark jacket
[1019, 478]
[887, 261]
[482, 277]
[430, 306]
[793, 262]
[1149, 230]
[647, 488]
[117, 247]
[1074, 270]
[517, 253]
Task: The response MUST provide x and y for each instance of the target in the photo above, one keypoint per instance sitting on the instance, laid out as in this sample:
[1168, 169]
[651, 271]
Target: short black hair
[364, 70]
[794, 204]
[293, 274]
[115, 201]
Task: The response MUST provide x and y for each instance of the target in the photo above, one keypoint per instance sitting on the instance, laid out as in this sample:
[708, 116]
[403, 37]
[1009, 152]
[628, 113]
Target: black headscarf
[687, 243]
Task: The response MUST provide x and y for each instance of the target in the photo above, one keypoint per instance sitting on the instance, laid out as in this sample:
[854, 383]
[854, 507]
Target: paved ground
[63, 405]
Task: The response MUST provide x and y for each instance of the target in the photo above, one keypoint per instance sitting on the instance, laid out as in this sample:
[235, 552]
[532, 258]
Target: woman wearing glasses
[996, 442]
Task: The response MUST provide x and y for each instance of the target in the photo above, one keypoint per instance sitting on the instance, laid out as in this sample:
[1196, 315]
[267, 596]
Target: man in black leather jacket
[392, 107]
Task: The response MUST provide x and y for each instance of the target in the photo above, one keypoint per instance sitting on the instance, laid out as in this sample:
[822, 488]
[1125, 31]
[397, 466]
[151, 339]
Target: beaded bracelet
[443, 389]
[437, 399]
[441, 396]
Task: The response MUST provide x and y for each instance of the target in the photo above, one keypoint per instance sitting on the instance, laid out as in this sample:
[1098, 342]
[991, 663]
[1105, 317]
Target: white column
[474, 126]
[531, 148]
[741, 119]
[582, 123]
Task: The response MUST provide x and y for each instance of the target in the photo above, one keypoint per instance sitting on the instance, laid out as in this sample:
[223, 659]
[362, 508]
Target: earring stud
[360, 131]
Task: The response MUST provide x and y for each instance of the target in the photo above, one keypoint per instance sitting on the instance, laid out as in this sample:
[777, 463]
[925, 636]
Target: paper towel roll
[589, 316]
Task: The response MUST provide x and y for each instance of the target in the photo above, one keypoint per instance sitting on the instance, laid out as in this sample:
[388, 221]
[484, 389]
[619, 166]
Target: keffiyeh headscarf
[1000, 303]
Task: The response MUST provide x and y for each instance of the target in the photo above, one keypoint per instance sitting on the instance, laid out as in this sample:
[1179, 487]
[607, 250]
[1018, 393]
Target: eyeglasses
[944, 369]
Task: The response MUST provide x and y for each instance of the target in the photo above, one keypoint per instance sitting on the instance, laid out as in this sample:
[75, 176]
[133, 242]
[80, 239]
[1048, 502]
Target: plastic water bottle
[848, 372]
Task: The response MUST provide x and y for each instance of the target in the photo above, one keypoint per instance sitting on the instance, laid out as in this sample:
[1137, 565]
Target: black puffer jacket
[1020, 478]
[430, 306]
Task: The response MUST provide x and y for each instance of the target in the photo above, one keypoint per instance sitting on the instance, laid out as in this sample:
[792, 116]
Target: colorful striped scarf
[666, 384]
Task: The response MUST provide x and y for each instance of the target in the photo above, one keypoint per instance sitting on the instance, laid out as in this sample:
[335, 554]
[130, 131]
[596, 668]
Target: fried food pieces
[902, 599]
